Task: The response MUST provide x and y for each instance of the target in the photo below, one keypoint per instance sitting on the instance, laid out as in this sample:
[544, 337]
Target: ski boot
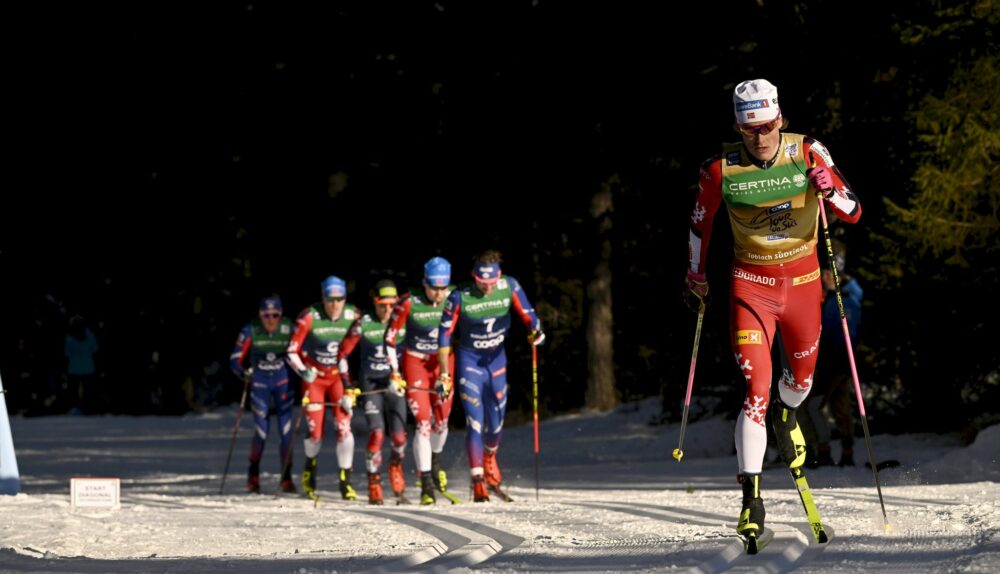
[427, 489]
[479, 491]
[309, 477]
[253, 478]
[396, 478]
[491, 470]
[788, 435]
[751, 524]
[440, 477]
[287, 485]
[374, 489]
[347, 491]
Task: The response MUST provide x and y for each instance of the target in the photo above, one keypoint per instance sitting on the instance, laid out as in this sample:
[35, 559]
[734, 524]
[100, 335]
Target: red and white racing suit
[775, 279]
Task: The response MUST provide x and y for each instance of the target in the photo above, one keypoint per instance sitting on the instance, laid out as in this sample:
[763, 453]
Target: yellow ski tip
[678, 454]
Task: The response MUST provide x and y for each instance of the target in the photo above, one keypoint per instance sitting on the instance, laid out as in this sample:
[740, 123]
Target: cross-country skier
[313, 353]
[262, 343]
[419, 314]
[768, 182]
[381, 398]
[481, 312]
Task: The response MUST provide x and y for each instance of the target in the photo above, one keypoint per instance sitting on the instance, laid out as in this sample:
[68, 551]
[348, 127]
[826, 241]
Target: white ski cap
[755, 101]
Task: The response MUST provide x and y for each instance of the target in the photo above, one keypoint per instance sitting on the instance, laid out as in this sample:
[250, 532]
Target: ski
[454, 499]
[501, 493]
[328, 498]
[805, 494]
[315, 498]
[447, 494]
[754, 543]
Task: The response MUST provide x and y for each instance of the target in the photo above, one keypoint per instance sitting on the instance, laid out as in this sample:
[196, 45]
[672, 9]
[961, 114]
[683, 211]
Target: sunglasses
[336, 299]
[762, 129]
[270, 315]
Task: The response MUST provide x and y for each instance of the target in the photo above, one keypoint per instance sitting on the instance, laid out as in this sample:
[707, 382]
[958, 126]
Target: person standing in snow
[262, 344]
[832, 384]
[418, 314]
[768, 182]
[383, 398]
[481, 312]
[80, 348]
[313, 353]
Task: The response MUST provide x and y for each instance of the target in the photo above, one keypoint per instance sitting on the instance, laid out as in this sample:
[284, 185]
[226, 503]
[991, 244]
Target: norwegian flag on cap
[486, 272]
[755, 101]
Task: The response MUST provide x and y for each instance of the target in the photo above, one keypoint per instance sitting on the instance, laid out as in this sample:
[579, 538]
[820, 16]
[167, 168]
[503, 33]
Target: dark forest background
[174, 163]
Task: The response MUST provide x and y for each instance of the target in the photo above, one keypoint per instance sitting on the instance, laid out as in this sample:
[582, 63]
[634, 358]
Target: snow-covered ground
[611, 500]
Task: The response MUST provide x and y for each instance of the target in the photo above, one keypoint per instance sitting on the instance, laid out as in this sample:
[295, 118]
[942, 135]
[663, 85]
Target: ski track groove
[459, 550]
[796, 547]
[451, 540]
[506, 540]
[791, 548]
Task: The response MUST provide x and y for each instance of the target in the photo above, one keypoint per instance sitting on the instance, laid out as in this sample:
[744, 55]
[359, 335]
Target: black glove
[695, 291]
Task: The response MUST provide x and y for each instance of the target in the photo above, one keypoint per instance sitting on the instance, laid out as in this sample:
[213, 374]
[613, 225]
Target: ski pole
[239, 414]
[372, 392]
[679, 451]
[850, 350]
[390, 390]
[534, 402]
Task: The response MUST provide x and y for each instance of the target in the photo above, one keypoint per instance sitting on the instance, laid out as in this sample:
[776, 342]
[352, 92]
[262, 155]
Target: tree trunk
[600, 322]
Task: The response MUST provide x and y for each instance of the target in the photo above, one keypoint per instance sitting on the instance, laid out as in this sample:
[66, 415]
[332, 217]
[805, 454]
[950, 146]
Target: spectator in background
[81, 367]
[833, 381]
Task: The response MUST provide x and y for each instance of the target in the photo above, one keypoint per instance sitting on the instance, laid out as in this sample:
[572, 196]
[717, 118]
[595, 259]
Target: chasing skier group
[771, 182]
[420, 325]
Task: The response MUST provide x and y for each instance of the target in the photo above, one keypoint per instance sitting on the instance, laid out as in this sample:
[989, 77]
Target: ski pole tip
[678, 454]
[889, 527]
